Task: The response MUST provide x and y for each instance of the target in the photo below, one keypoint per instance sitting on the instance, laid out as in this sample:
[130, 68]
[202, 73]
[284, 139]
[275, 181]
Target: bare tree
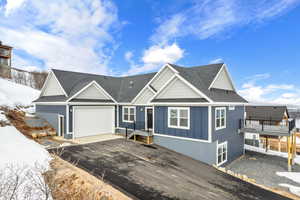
[39, 78]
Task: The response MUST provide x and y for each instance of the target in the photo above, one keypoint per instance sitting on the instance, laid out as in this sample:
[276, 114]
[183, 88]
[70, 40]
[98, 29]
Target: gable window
[128, 114]
[220, 115]
[179, 117]
[222, 153]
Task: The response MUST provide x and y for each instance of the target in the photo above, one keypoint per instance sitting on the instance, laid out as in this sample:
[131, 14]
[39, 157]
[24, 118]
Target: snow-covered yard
[21, 163]
[13, 94]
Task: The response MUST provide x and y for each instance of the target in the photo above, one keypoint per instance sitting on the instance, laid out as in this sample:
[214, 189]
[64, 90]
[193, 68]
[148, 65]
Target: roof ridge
[102, 74]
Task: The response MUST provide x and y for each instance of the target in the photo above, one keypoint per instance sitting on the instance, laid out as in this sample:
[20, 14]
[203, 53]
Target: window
[220, 118]
[179, 118]
[222, 153]
[128, 114]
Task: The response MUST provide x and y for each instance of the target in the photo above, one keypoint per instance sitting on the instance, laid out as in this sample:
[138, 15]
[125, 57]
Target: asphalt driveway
[153, 172]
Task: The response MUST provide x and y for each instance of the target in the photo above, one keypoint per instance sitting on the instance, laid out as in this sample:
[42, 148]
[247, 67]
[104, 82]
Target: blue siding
[235, 140]
[140, 118]
[198, 123]
[50, 113]
[202, 151]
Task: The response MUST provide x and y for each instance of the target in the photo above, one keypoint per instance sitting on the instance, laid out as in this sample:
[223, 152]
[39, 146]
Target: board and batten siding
[140, 118]
[177, 89]
[235, 140]
[50, 114]
[162, 78]
[198, 123]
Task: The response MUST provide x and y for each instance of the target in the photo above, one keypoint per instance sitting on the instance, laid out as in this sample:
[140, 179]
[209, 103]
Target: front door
[149, 120]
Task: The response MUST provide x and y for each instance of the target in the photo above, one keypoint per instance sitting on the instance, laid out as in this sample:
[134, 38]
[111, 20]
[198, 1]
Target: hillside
[13, 94]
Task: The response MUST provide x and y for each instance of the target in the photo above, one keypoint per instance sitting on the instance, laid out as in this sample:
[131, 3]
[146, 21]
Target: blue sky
[259, 41]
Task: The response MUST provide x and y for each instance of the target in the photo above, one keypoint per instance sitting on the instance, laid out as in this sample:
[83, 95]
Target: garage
[93, 120]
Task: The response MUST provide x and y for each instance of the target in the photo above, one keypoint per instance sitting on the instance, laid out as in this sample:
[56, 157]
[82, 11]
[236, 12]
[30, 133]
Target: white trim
[118, 122]
[209, 124]
[221, 144]
[182, 138]
[73, 103]
[178, 117]
[153, 123]
[67, 120]
[218, 74]
[50, 103]
[196, 104]
[146, 117]
[128, 107]
[225, 118]
[150, 88]
[97, 86]
[194, 88]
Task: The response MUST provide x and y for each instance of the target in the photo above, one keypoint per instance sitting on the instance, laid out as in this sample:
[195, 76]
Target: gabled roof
[274, 113]
[202, 77]
[125, 89]
[122, 89]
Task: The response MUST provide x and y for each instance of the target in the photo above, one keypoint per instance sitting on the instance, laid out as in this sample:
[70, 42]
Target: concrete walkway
[96, 138]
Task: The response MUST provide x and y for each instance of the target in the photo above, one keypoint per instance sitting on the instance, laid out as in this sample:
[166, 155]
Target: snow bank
[16, 149]
[12, 94]
[270, 152]
[22, 162]
[294, 176]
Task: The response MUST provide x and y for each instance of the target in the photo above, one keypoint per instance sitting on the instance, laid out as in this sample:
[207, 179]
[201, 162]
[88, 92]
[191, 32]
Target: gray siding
[198, 123]
[140, 118]
[235, 140]
[205, 152]
[50, 113]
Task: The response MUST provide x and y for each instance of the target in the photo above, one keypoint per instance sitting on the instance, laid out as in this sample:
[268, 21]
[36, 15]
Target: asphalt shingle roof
[275, 113]
[125, 89]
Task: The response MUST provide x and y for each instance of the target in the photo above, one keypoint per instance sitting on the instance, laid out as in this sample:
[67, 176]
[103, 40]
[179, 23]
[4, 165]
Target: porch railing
[267, 125]
[138, 126]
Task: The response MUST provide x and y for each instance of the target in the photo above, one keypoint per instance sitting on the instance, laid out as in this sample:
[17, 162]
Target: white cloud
[71, 34]
[270, 93]
[217, 60]
[12, 5]
[156, 56]
[205, 19]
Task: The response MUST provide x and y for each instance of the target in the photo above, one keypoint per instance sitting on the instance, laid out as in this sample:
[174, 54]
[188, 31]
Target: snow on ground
[12, 94]
[23, 158]
[270, 152]
[2, 117]
[294, 176]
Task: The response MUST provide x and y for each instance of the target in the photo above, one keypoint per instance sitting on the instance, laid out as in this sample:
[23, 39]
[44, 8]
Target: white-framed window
[179, 117]
[128, 114]
[222, 153]
[220, 116]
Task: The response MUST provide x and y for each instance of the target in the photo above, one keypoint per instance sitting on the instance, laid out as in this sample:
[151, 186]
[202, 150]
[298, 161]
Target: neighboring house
[271, 121]
[195, 111]
[295, 114]
[5, 60]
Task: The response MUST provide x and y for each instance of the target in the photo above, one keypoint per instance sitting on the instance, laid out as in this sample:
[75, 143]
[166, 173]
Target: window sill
[220, 128]
[178, 127]
[128, 121]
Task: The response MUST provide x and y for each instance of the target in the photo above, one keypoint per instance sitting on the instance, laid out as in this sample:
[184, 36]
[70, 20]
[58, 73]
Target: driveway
[153, 172]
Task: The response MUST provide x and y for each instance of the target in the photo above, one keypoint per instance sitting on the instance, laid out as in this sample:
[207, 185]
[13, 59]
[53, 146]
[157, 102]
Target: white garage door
[93, 120]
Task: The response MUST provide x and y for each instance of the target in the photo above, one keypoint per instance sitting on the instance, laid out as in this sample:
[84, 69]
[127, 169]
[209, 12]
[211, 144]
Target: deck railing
[137, 125]
[267, 125]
